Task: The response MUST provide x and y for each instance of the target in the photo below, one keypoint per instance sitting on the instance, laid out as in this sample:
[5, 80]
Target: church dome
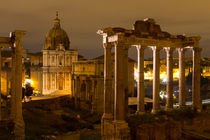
[56, 37]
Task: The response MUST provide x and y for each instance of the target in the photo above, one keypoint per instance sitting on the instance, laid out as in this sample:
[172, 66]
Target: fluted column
[169, 83]
[182, 96]
[197, 105]
[156, 79]
[107, 81]
[140, 82]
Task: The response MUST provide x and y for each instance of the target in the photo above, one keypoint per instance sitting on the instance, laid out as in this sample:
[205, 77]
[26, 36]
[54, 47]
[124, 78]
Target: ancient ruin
[14, 42]
[146, 33]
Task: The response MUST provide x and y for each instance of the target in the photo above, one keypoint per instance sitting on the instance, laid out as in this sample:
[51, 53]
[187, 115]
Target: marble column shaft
[140, 83]
[196, 79]
[182, 96]
[169, 83]
[107, 81]
[156, 79]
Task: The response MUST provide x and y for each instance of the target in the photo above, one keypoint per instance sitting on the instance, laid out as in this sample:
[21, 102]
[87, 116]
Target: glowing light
[164, 80]
[163, 76]
[28, 81]
[163, 95]
[136, 75]
[176, 74]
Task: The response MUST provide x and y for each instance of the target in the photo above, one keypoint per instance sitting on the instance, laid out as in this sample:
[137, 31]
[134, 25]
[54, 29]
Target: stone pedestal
[106, 126]
[121, 131]
[116, 130]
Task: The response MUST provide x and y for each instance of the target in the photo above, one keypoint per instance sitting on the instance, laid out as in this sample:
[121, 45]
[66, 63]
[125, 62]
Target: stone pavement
[51, 96]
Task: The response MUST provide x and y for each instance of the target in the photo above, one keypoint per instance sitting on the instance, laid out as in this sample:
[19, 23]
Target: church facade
[57, 60]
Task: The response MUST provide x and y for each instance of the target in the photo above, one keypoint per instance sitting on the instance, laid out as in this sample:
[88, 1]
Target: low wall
[169, 130]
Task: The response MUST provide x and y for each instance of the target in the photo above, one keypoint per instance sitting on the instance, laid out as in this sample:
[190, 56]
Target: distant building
[57, 60]
[88, 82]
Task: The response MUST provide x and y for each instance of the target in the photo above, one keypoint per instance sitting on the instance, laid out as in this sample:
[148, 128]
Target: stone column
[0, 86]
[197, 105]
[43, 80]
[76, 92]
[13, 101]
[121, 129]
[47, 82]
[56, 80]
[125, 81]
[119, 108]
[72, 86]
[19, 127]
[169, 83]
[107, 81]
[107, 115]
[65, 80]
[140, 82]
[156, 79]
[182, 96]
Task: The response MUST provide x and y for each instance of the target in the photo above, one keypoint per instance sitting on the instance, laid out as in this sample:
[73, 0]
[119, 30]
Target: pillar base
[182, 106]
[154, 111]
[121, 130]
[168, 108]
[115, 130]
[106, 124]
[197, 109]
[139, 113]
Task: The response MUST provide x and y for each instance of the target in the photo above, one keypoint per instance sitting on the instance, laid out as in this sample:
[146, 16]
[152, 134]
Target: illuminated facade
[57, 60]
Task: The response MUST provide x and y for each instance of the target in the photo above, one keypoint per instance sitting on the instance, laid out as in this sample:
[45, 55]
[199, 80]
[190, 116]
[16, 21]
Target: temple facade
[57, 60]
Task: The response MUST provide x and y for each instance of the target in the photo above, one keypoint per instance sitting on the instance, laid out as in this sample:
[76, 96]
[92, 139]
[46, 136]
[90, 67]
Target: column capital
[197, 49]
[140, 47]
[123, 44]
[107, 45]
[169, 49]
[156, 48]
[181, 49]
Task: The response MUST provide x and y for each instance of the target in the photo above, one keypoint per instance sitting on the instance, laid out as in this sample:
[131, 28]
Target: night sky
[82, 18]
